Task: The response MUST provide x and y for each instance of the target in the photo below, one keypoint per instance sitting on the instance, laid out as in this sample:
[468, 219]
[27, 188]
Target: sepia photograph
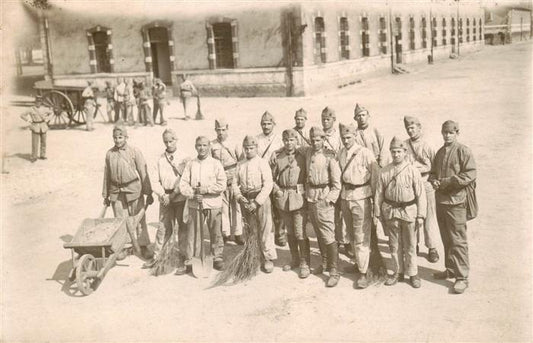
[266, 171]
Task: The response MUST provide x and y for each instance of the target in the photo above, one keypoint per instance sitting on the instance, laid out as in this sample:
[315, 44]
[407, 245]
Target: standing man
[288, 171]
[401, 203]
[421, 155]
[359, 171]
[267, 143]
[322, 191]
[126, 182]
[187, 91]
[453, 171]
[252, 186]
[159, 92]
[370, 137]
[89, 105]
[228, 155]
[202, 183]
[38, 118]
[120, 92]
[145, 114]
[129, 101]
[169, 170]
[110, 97]
[300, 118]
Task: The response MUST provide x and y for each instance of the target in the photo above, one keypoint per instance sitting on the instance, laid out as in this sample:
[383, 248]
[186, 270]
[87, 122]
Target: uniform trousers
[110, 108]
[358, 217]
[430, 223]
[452, 225]
[294, 222]
[261, 221]
[212, 228]
[171, 219]
[341, 232]
[120, 108]
[145, 116]
[321, 215]
[122, 209]
[159, 106]
[88, 108]
[36, 138]
[187, 102]
[231, 214]
[402, 244]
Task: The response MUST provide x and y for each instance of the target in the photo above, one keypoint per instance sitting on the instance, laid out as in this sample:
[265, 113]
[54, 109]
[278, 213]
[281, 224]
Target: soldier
[109, 94]
[453, 174]
[300, 117]
[129, 102]
[159, 91]
[267, 143]
[202, 183]
[169, 169]
[145, 115]
[252, 186]
[421, 155]
[228, 155]
[322, 191]
[126, 182]
[359, 172]
[369, 137]
[89, 105]
[120, 92]
[187, 91]
[401, 203]
[38, 118]
[288, 172]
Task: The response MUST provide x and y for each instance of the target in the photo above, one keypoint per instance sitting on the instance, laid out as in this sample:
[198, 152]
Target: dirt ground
[44, 203]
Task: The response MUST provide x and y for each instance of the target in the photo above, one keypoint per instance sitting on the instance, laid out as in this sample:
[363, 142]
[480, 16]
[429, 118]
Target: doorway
[160, 53]
[398, 40]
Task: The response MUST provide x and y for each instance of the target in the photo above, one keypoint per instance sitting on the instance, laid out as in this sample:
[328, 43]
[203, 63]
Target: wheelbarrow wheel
[86, 274]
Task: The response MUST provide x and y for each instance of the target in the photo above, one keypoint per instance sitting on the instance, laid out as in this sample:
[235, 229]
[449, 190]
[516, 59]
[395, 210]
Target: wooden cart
[98, 244]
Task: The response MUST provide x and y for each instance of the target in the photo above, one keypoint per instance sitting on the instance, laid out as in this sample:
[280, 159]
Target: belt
[122, 185]
[396, 204]
[37, 122]
[169, 191]
[424, 173]
[323, 185]
[351, 186]
[231, 166]
[289, 187]
[251, 195]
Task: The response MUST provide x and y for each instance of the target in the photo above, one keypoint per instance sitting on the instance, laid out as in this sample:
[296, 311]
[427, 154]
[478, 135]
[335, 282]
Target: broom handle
[103, 211]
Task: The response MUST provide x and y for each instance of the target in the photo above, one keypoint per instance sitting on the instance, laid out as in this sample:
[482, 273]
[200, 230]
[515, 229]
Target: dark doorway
[160, 53]
[223, 45]
[101, 50]
[398, 40]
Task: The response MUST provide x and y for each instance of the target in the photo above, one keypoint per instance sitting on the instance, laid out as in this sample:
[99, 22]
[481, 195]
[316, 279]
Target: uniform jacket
[266, 145]
[332, 141]
[168, 173]
[371, 138]
[288, 172]
[120, 91]
[228, 154]
[207, 172]
[302, 138]
[253, 175]
[322, 169]
[159, 92]
[38, 118]
[362, 172]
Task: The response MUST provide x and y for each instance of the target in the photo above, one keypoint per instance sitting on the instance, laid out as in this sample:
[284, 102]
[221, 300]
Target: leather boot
[303, 244]
[295, 255]
[323, 266]
[333, 257]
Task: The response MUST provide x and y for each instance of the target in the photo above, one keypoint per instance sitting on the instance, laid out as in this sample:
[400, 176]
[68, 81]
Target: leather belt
[291, 187]
[251, 195]
[122, 185]
[399, 204]
[37, 122]
[323, 185]
[169, 191]
[424, 173]
[351, 186]
[231, 166]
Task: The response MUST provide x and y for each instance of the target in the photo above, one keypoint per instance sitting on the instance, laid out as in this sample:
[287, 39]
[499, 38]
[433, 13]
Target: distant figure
[129, 102]
[300, 118]
[119, 99]
[89, 104]
[159, 91]
[187, 91]
[38, 118]
[144, 110]
[110, 97]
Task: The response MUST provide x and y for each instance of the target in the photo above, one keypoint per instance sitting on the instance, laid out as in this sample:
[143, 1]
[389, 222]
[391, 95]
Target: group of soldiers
[343, 181]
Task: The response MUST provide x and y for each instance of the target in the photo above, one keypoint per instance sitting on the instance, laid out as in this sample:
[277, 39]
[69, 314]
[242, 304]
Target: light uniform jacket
[303, 137]
[253, 175]
[170, 167]
[120, 91]
[401, 184]
[372, 139]
[457, 163]
[288, 171]
[228, 154]
[187, 89]
[332, 141]
[207, 172]
[159, 92]
[266, 145]
[420, 155]
[125, 172]
[361, 172]
[322, 170]
[38, 118]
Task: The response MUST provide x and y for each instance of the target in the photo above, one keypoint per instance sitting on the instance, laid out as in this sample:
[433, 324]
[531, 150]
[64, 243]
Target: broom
[377, 272]
[245, 265]
[168, 258]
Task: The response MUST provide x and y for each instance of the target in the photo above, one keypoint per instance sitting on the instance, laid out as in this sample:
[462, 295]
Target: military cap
[249, 140]
[268, 117]
[220, 122]
[120, 128]
[316, 132]
[359, 109]
[300, 113]
[408, 121]
[450, 125]
[347, 129]
[328, 113]
[397, 143]
[289, 133]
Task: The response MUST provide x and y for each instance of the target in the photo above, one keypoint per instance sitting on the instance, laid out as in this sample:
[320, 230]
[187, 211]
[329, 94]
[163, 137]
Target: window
[411, 33]
[423, 28]
[474, 36]
[467, 29]
[444, 42]
[434, 31]
[480, 30]
[100, 50]
[452, 40]
[365, 37]
[460, 30]
[223, 45]
[382, 35]
[320, 40]
[344, 38]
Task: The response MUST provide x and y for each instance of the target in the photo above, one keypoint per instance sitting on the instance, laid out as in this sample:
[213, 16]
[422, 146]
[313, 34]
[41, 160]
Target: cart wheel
[61, 107]
[78, 113]
[86, 283]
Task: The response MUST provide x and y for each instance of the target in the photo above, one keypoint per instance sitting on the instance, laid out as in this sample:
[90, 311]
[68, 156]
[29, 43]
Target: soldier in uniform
[359, 172]
[453, 172]
[322, 191]
[401, 203]
[120, 92]
[187, 91]
[89, 104]
[370, 137]
[421, 155]
[300, 117]
[145, 114]
[252, 186]
[228, 155]
[109, 95]
[38, 118]
[126, 182]
[129, 101]
[288, 171]
[268, 142]
[159, 92]
[169, 169]
[203, 182]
